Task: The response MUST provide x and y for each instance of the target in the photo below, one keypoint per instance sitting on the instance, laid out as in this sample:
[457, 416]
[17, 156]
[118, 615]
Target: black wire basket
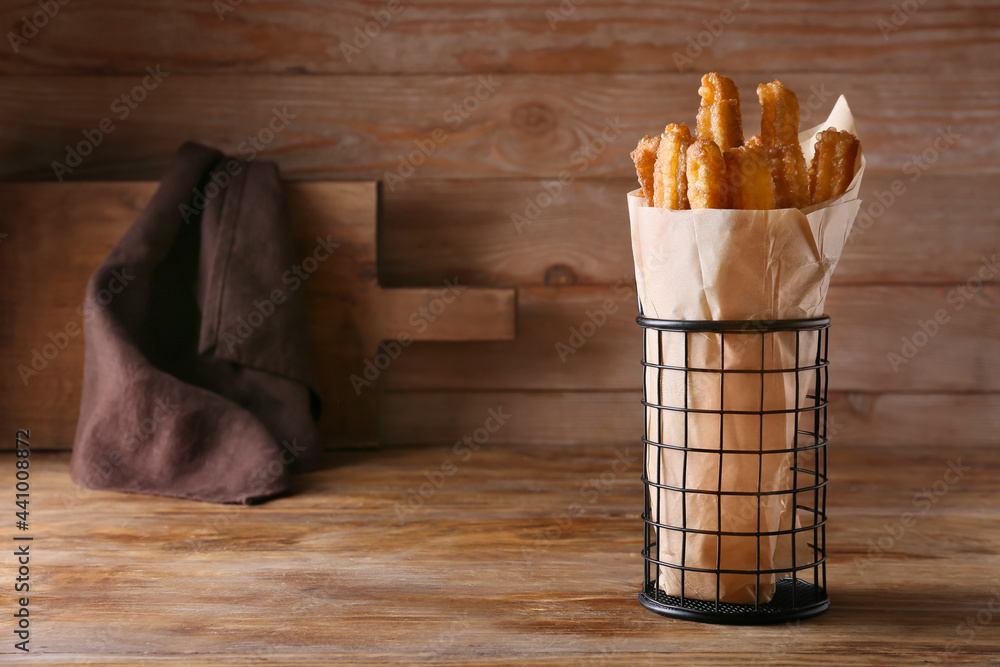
[735, 469]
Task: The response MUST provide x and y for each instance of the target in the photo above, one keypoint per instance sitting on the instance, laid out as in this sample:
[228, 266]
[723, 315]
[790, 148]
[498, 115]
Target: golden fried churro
[718, 169]
[779, 118]
[832, 167]
[789, 175]
[669, 174]
[748, 175]
[644, 157]
[706, 175]
[719, 116]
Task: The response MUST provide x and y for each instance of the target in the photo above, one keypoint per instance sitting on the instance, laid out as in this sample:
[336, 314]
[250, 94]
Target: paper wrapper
[709, 264]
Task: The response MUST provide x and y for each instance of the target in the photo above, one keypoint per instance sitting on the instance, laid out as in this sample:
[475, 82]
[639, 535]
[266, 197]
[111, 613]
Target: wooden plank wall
[471, 111]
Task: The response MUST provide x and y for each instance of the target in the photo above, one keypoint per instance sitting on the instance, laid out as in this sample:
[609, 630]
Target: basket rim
[736, 326]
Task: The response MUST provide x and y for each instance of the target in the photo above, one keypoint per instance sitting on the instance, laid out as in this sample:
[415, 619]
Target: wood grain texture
[563, 418]
[59, 233]
[88, 218]
[519, 126]
[937, 231]
[869, 323]
[358, 568]
[487, 570]
[500, 36]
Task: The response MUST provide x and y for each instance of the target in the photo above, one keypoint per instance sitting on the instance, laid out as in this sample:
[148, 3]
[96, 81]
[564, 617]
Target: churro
[832, 168]
[779, 116]
[789, 176]
[644, 157]
[748, 176]
[670, 173]
[719, 117]
[719, 169]
[706, 175]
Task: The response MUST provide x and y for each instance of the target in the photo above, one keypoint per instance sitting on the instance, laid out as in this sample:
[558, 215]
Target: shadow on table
[943, 607]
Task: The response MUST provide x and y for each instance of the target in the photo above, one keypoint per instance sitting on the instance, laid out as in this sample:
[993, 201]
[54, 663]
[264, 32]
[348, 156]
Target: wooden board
[502, 35]
[58, 234]
[869, 323]
[563, 418]
[557, 83]
[512, 126]
[936, 232]
[489, 569]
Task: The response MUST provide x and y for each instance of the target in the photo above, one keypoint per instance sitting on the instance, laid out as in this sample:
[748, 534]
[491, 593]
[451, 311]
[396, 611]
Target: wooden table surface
[356, 568]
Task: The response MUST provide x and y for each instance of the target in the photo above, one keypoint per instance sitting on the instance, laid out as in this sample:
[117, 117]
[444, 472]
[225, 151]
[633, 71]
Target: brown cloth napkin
[198, 378]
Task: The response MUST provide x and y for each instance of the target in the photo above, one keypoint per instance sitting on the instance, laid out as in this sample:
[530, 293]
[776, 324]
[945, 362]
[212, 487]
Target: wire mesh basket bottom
[807, 600]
